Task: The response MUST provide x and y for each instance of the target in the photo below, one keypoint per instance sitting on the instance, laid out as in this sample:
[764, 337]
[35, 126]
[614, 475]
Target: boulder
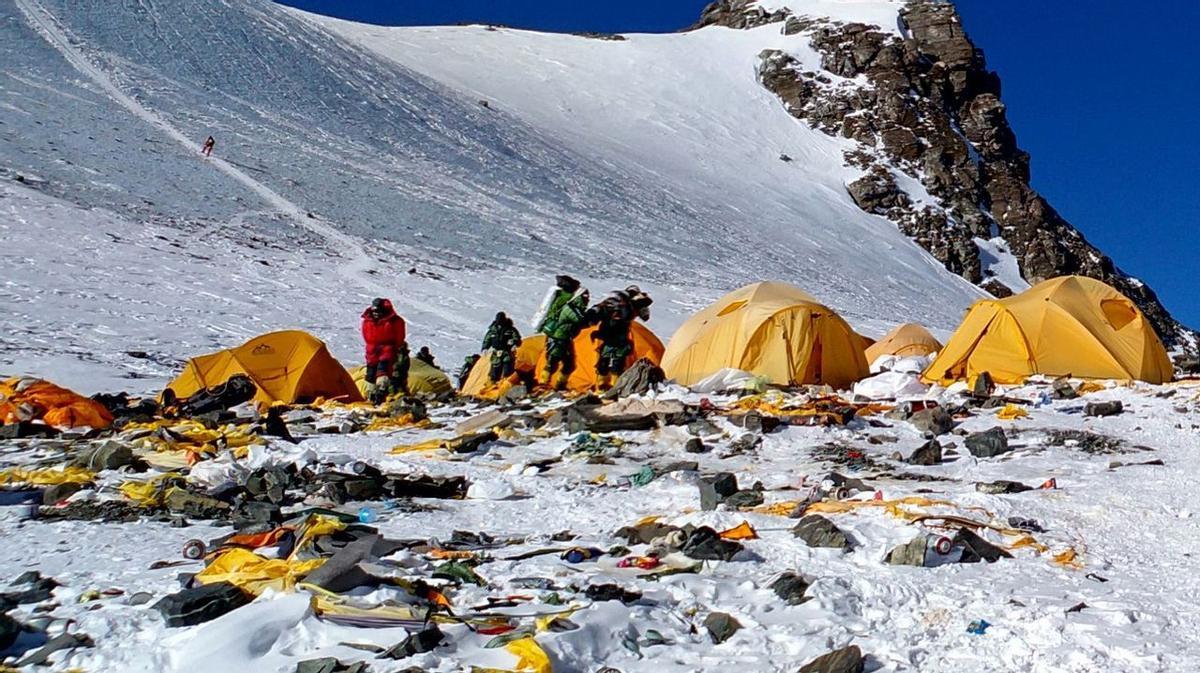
[911, 553]
[1099, 409]
[639, 379]
[201, 604]
[845, 660]
[791, 587]
[195, 506]
[987, 444]
[1001, 486]
[715, 489]
[747, 498]
[721, 626]
[109, 455]
[928, 454]
[695, 445]
[27, 429]
[933, 421]
[56, 493]
[817, 531]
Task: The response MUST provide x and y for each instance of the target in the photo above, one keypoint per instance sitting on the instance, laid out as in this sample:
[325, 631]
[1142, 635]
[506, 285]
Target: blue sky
[1103, 94]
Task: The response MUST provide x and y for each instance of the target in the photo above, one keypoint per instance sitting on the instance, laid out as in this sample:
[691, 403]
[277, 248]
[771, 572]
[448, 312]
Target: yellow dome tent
[1072, 325]
[531, 360]
[423, 379]
[771, 329]
[289, 366]
[909, 339]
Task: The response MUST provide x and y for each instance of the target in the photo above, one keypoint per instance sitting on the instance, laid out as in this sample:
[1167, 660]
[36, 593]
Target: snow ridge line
[357, 262]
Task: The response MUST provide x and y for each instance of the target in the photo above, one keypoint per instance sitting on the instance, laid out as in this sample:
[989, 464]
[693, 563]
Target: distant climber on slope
[384, 334]
[207, 148]
[613, 318]
[502, 339]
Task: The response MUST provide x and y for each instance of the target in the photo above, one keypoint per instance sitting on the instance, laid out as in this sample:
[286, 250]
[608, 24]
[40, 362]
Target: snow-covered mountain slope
[351, 174]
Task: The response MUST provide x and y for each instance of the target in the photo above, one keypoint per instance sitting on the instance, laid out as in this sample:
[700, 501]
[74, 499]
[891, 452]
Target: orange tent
[34, 399]
[909, 339]
[289, 366]
[531, 360]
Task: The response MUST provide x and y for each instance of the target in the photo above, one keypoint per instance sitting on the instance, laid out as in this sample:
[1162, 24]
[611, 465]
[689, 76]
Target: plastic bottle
[367, 515]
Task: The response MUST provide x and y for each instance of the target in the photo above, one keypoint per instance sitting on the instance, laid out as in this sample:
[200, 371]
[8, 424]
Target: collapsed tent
[423, 379]
[531, 360]
[289, 366]
[770, 329]
[1067, 326]
[23, 399]
[906, 340]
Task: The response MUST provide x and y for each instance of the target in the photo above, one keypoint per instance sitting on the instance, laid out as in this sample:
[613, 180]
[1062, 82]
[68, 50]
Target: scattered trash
[978, 627]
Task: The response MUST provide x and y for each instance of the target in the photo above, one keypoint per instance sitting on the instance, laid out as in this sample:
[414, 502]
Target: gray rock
[929, 454]
[1063, 390]
[817, 531]
[721, 626]
[58, 492]
[715, 489]
[110, 455]
[196, 506]
[703, 428]
[748, 498]
[201, 604]
[695, 445]
[846, 660]
[1002, 486]
[987, 444]
[9, 630]
[639, 379]
[1111, 408]
[934, 421]
[791, 587]
[705, 544]
[911, 553]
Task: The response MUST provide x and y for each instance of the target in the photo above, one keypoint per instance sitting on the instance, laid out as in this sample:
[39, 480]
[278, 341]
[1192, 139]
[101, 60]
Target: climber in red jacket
[384, 333]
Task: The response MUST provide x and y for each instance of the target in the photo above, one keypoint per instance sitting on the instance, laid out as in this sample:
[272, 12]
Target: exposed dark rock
[928, 454]
[715, 489]
[639, 379]
[935, 421]
[817, 531]
[934, 108]
[196, 606]
[1002, 486]
[791, 587]
[987, 444]
[738, 14]
[846, 660]
[1112, 408]
[721, 626]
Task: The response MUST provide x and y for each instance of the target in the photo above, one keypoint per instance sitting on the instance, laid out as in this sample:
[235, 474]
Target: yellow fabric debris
[1069, 558]
[1089, 387]
[782, 508]
[419, 447]
[893, 507]
[400, 422]
[145, 493]
[530, 656]
[254, 573]
[47, 477]
[1011, 412]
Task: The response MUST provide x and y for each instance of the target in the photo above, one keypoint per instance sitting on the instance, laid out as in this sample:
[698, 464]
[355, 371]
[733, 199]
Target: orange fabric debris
[54, 405]
[744, 531]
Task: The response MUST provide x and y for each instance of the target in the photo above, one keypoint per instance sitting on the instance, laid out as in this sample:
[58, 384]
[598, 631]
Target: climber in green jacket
[561, 329]
[502, 339]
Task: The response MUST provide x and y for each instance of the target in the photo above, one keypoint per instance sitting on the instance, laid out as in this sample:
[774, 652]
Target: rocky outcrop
[930, 111]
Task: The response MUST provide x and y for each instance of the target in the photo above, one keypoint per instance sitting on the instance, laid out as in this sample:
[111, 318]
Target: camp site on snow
[284, 492]
[778, 339]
